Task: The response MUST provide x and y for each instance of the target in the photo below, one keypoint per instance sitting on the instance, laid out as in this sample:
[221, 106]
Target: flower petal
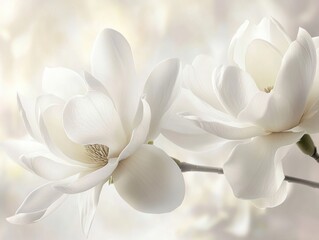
[234, 88]
[309, 121]
[53, 133]
[88, 202]
[254, 169]
[198, 78]
[50, 169]
[160, 89]
[17, 148]
[28, 112]
[227, 130]
[150, 181]
[63, 82]
[263, 62]
[284, 106]
[88, 181]
[268, 30]
[38, 204]
[92, 119]
[278, 198]
[140, 133]
[112, 64]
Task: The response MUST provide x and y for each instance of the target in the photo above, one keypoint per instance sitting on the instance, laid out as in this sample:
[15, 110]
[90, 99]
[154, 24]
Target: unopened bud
[306, 145]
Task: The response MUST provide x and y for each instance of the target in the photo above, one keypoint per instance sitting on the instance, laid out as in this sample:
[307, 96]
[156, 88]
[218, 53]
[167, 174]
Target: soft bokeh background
[39, 33]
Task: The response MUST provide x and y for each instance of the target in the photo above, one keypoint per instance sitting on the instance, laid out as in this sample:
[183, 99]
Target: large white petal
[273, 201]
[150, 181]
[38, 204]
[310, 121]
[63, 82]
[234, 88]
[112, 64]
[53, 133]
[92, 119]
[89, 180]
[283, 107]
[314, 91]
[160, 90]
[263, 62]
[254, 169]
[88, 202]
[140, 133]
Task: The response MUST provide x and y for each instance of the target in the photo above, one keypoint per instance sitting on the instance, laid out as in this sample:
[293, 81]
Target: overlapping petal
[112, 64]
[92, 119]
[150, 181]
[254, 169]
[37, 205]
[160, 90]
[63, 83]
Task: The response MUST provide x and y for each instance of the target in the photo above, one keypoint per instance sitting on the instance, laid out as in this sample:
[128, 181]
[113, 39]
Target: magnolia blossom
[87, 131]
[267, 99]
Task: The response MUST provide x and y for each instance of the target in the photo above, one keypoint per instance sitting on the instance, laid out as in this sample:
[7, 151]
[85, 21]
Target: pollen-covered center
[98, 153]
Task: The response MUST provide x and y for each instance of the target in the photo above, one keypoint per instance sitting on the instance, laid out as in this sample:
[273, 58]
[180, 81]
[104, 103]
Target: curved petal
[160, 90]
[92, 119]
[227, 130]
[63, 82]
[112, 64]
[254, 169]
[88, 202]
[234, 88]
[263, 62]
[37, 205]
[140, 133]
[273, 201]
[198, 78]
[88, 181]
[50, 169]
[314, 91]
[95, 84]
[268, 30]
[17, 148]
[150, 181]
[309, 121]
[27, 109]
[53, 133]
[284, 106]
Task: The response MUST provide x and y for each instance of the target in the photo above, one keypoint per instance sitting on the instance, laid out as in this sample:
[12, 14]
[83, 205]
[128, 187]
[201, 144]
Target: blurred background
[39, 33]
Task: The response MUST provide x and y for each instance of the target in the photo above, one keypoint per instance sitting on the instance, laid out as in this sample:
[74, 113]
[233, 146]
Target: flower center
[268, 89]
[98, 153]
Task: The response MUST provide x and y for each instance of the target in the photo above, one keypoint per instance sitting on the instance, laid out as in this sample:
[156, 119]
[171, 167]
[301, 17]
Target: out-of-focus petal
[254, 169]
[150, 181]
[63, 82]
[160, 90]
[88, 181]
[28, 112]
[112, 64]
[234, 88]
[88, 202]
[92, 119]
[273, 201]
[38, 204]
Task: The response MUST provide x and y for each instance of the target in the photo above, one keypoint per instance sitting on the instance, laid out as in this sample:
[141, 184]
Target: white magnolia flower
[88, 131]
[268, 100]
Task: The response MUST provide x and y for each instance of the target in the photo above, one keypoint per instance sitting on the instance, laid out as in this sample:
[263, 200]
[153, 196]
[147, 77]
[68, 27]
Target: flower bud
[306, 145]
